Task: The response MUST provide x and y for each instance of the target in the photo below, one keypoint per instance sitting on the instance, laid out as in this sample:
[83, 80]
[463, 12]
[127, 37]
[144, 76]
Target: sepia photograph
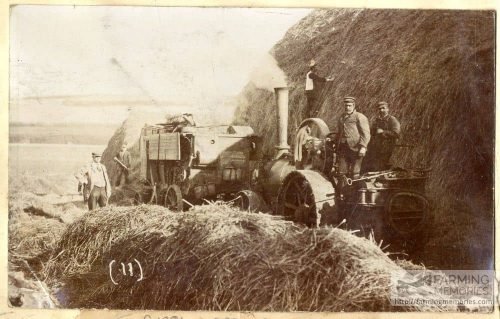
[251, 159]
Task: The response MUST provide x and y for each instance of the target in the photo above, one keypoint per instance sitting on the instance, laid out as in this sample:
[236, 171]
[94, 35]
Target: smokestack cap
[349, 99]
[312, 63]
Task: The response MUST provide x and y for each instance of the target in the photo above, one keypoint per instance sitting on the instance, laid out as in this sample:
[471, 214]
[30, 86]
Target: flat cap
[349, 99]
[312, 63]
[96, 154]
[382, 104]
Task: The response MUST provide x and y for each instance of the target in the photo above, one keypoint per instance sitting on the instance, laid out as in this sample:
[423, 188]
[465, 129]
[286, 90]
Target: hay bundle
[34, 226]
[31, 236]
[217, 258]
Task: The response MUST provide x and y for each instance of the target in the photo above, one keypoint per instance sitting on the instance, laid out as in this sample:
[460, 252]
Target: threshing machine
[184, 163]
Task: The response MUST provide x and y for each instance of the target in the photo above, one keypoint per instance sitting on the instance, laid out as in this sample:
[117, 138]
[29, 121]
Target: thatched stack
[436, 71]
[215, 257]
[435, 68]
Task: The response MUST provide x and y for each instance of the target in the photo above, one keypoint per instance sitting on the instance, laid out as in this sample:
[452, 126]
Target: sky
[91, 64]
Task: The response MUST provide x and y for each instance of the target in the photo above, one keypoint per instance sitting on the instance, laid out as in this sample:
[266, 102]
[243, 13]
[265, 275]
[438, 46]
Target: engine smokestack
[282, 104]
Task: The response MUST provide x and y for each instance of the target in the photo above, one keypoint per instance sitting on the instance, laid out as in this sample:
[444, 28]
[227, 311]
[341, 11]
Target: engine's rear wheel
[173, 198]
[407, 213]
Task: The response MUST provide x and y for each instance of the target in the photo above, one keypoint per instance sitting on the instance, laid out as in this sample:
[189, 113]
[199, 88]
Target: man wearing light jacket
[98, 182]
[312, 90]
[353, 138]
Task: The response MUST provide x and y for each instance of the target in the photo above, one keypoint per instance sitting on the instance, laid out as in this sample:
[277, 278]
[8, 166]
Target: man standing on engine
[385, 132]
[98, 182]
[122, 160]
[312, 90]
[353, 138]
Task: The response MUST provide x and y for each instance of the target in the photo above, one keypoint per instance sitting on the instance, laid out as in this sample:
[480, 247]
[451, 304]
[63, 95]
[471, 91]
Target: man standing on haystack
[97, 181]
[353, 138]
[385, 132]
[312, 90]
[122, 160]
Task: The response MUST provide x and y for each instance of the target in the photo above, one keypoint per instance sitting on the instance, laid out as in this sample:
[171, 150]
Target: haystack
[215, 257]
[435, 68]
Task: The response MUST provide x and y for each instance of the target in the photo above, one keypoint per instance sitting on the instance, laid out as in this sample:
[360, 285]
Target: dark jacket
[384, 142]
[124, 157]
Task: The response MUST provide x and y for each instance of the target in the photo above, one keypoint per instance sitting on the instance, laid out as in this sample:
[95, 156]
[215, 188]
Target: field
[54, 164]
[43, 199]
[60, 133]
[49, 159]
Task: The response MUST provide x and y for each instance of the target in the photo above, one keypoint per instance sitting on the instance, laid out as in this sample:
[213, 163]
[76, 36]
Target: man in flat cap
[97, 181]
[312, 90]
[385, 131]
[353, 138]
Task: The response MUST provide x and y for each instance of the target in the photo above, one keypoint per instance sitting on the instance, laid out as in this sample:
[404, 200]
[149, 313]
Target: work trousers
[122, 177]
[311, 108]
[349, 161]
[98, 196]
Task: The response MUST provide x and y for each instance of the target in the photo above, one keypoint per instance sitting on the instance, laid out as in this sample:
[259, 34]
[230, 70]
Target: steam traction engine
[307, 188]
[185, 163]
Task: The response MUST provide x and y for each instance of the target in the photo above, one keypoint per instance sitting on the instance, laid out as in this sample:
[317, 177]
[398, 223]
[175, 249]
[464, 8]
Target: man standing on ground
[83, 184]
[385, 132]
[353, 138]
[312, 90]
[123, 165]
[98, 182]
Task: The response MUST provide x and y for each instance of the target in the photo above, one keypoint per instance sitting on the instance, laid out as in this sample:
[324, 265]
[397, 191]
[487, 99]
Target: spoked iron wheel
[407, 213]
[298, 202]
[173, 198]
